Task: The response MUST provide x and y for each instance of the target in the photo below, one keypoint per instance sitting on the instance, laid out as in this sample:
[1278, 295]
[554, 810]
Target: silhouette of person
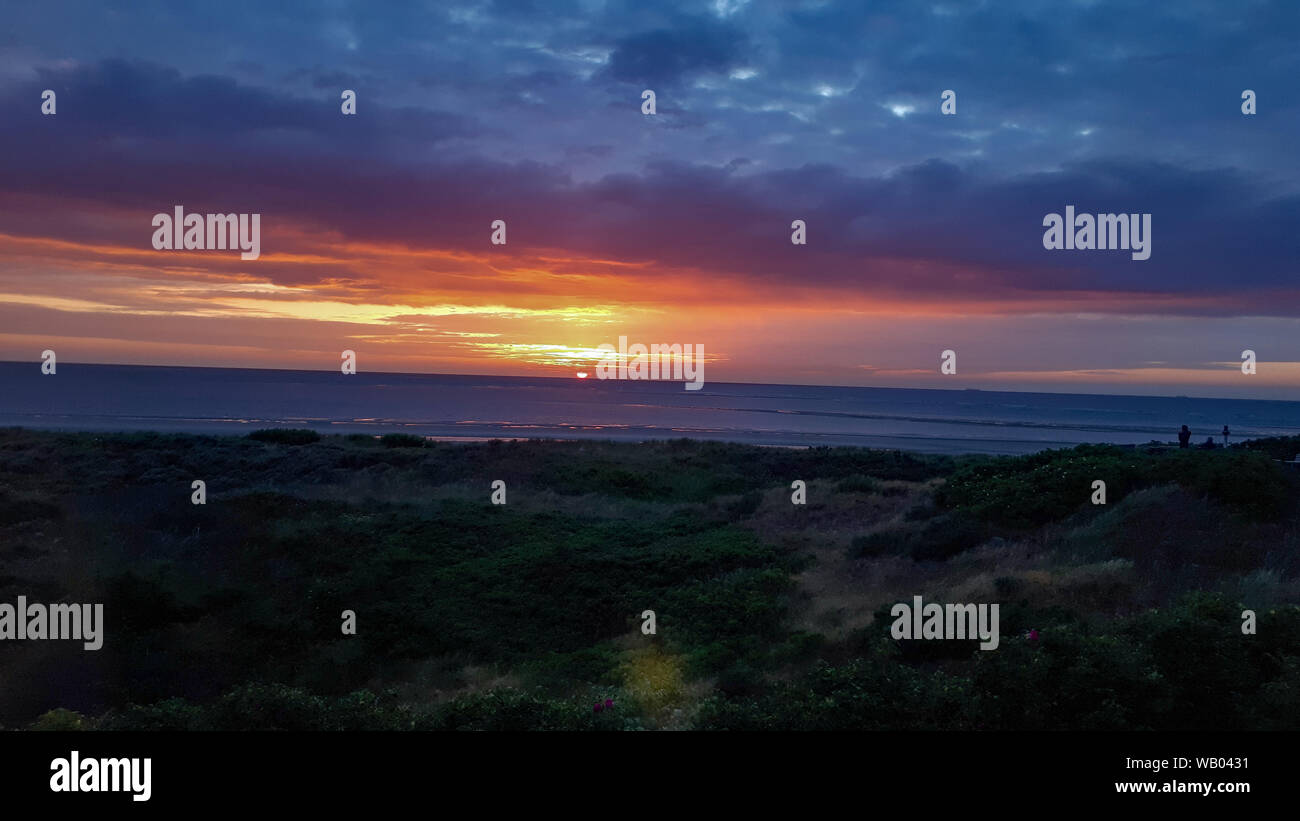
[1184, 436]
[1208, 444]
[1225, 436]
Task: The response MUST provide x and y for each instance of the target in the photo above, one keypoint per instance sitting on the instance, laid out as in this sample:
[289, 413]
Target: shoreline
[214, 401]
[791, 440]
[930, 445]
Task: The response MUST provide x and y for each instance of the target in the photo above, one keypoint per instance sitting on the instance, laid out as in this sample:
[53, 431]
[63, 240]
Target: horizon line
[717, 382]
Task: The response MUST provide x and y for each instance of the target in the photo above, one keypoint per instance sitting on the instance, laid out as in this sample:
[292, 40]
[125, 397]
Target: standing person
[1225, 436]
[1184, 436]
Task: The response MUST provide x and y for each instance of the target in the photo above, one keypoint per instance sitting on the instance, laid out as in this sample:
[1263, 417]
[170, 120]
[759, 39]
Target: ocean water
[225, 401]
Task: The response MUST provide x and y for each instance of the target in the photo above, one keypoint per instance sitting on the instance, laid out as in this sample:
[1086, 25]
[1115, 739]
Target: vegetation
[285, 436]
[528, 615]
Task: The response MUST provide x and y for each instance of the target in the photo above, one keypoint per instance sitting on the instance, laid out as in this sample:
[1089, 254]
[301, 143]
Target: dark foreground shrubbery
[938, 538]
[285, 436]
[258, 706]
[481, 616]
[401, 440]
[1028, 491]
[1275, 447]
[1188, 667]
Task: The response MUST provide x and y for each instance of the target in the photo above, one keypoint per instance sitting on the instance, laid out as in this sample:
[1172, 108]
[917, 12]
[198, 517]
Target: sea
[475, 408]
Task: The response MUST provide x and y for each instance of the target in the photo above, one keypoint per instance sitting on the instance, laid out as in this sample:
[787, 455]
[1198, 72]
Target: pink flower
[609, 704]
[598, 707]
[1033, 635]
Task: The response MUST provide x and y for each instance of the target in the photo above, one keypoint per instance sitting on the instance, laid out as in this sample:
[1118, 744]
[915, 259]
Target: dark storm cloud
[669, 56]
[117, 98]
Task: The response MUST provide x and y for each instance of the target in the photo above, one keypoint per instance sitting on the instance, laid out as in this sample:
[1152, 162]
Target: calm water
[212, 400]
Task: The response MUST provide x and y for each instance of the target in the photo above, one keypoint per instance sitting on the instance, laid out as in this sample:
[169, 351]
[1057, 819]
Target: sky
[924, 230]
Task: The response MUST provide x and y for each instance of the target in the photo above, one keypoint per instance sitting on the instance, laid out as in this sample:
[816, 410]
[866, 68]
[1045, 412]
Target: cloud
[138, 99]
[932, 230]
[667, 57]
[518, 111]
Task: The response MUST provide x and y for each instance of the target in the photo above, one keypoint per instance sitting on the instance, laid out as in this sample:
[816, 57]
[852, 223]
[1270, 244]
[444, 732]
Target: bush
[258, 706]
[60, 720]
[1182, 668]
[746, 504]
[872, 693]
[512, 710]
[173, 714]
[1274, 447]
[17, 510]
[1250, 482]
[877, 544]
[938, 539]
[401, 440]
[1029, 491]
[945, 536]
[285, 436]
[858, 483]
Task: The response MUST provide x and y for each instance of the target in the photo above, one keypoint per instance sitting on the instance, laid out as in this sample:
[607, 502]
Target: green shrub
[262, 706]
[1179, 668]
[1274, 447]
[871, 693]
[1029, 491]
[61, 720]
[170, 715]
[285, 436]
[512, 710]
[401, 440]
[939, 538]
[746, 505]
[858, 483]
[15, 510]
[880, 543]
[945, 536]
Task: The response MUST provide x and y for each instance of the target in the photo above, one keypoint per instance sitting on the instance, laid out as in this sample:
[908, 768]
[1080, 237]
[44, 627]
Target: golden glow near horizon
[547, 314]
